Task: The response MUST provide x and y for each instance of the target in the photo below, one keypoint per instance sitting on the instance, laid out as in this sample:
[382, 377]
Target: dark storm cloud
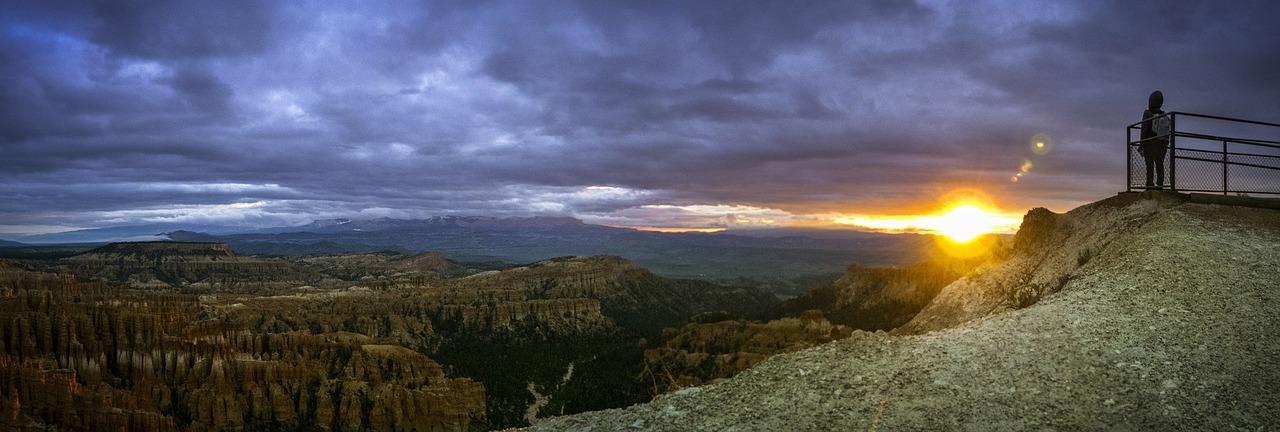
[202, 91]
[181, 30]
[263, 111]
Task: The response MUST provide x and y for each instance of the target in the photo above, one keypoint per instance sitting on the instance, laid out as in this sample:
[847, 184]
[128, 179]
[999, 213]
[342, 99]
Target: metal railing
[1207, 154]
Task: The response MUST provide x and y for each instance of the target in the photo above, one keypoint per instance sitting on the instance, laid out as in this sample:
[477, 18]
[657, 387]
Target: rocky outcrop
[382, 268]
[884, 298]
[702, 352]
[214, 267]
[209, 266]
[632, 296]
[1049, 251]
[561, 317]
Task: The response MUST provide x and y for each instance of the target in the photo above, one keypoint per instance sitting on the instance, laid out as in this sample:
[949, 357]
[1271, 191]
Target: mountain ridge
[341, 225]
[780, 261]
[784, 264]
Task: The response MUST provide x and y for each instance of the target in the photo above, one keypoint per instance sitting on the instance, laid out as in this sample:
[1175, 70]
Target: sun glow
[965, 222]
[962, 223]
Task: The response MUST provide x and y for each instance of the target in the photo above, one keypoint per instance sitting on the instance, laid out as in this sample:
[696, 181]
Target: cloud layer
[268, 113]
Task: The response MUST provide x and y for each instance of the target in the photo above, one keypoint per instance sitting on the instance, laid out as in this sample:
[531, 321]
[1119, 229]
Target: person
[1154, 145]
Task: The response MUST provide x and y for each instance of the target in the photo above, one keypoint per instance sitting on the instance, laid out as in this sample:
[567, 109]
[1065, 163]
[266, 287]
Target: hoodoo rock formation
[381, 266]
[634, 297]
[711, 348]
[97, 356]
[193, 337]
[176, 264]
[580, 324]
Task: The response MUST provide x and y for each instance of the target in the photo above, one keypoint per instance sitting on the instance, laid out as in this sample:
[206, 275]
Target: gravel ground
[1174, 325]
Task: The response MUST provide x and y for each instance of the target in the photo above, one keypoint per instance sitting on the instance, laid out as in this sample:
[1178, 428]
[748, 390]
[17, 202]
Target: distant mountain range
[355, 225]
[148, 232]
[154, 232]
[781, 260]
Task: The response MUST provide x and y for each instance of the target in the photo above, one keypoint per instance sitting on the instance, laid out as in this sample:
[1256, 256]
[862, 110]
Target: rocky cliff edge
[1152, 311]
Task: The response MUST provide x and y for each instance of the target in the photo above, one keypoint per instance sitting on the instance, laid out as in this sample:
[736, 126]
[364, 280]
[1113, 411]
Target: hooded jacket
[1154, 102]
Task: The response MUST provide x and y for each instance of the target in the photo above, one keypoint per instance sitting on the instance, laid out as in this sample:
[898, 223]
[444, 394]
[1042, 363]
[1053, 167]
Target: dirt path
[1175, 326]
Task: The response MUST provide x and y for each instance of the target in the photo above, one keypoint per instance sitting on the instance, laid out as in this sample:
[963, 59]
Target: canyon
[193, 336]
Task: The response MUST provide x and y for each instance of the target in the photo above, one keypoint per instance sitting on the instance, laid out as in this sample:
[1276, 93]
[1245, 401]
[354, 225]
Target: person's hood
[1155, 101]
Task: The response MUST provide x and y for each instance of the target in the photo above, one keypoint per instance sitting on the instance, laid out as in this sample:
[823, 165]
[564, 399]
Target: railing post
[1128, 158]
[1173, 152]
[1225, 165]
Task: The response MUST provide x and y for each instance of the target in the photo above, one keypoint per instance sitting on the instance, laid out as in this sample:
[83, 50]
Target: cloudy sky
[638, 113]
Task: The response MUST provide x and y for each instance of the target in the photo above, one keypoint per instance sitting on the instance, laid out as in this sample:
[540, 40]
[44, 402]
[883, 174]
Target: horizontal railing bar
[1241, 141]
[1214, 117]
[1220, 161]
[1219, 191]
[1256, 122]
[1219, 152]
[1262, 143]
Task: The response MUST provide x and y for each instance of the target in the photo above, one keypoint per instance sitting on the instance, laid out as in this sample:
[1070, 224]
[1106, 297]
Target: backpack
[1161, 125]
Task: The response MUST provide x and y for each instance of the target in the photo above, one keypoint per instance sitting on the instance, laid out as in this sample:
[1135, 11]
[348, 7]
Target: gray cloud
[403, 108]
[181, 30]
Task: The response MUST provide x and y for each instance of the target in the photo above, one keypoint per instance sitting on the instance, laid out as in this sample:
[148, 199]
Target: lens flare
[1041, 144]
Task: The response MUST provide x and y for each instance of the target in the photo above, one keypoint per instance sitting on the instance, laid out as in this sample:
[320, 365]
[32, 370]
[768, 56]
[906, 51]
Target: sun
[959, 218]
[965, 223]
